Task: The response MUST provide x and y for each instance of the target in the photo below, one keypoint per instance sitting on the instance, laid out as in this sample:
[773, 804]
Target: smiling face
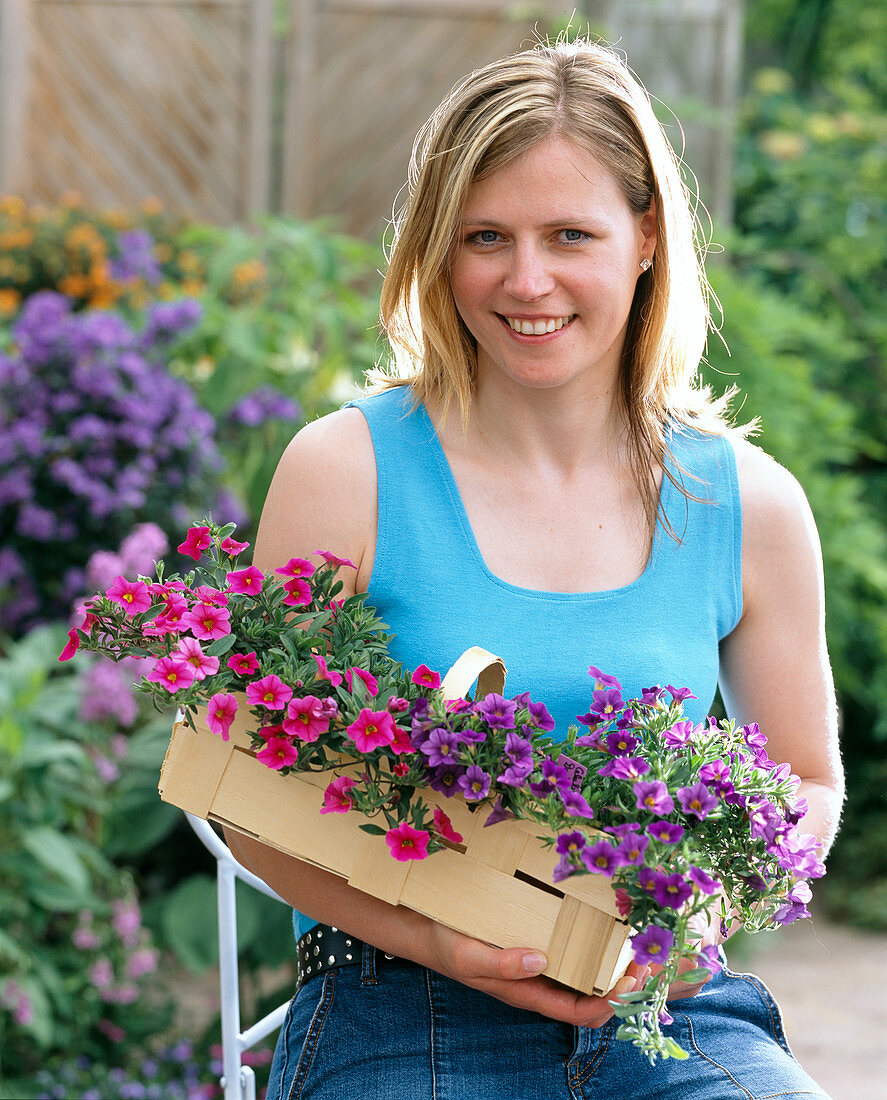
[545, 268]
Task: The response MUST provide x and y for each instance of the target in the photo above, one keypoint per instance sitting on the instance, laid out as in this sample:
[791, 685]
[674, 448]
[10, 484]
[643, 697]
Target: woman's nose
[529, 276]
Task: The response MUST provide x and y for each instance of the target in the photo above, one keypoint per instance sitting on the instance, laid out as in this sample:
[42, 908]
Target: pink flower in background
[244, 664]
[126, 920]
[323, 673]
[197, 540]
[335, 797]
[296, 567]
[142, 962]
[270, 692]
[220, 713]
[331, 559]
[278, 752]
[231, 547]
[17, 1001]
[405, 842]
[205, 620]
[101, 974]
[371, 730]
[133, 596]
[191, 651]
[372, 684]
[424, 677]
[306, 719]
[173, 673]
[248, 581]
[298, 592]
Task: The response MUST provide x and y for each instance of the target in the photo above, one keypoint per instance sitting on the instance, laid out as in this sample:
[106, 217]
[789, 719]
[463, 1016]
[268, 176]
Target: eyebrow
[570, 219]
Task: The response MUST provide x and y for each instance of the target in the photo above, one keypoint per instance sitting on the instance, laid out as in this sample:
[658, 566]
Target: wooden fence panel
[121, 100]
[365, 74]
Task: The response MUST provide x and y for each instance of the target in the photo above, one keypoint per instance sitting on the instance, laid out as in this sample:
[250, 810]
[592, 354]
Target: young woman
[544, 480]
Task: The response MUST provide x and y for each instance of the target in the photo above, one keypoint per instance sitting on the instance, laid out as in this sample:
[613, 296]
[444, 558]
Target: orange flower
[9, 301]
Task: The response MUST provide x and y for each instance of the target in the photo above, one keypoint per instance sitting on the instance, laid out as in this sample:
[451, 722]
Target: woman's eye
[484, 236]
[573, 236]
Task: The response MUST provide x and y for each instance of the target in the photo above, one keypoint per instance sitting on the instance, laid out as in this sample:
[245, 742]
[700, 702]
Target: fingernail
[534, 963]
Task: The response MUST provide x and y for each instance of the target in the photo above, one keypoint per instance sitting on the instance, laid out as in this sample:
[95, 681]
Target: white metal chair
[238, 1081]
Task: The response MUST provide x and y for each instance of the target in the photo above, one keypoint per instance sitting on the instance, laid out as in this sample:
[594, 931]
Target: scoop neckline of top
[665, 490]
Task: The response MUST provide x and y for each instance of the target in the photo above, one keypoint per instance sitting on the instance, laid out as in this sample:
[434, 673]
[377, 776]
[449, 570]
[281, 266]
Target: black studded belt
[326, 948]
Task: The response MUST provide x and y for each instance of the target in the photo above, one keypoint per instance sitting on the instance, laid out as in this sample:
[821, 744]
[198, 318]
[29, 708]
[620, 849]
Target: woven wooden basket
[496, 886]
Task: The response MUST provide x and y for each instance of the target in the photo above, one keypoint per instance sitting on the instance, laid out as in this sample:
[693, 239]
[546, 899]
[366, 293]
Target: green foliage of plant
[75, 960]
[287, 305]
[805, 321]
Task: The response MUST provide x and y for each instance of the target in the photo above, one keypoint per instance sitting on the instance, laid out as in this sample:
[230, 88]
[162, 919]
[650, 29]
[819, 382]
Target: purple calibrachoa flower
[653, 796]
[631, 849]
[710, 958]
[622, 743]
[497, 712]
[475, 783]
[518, 749]
[605, 703]
[650, 696]
[624, 767]
[601, 858]
[574, 803]
[706, 883]
[446, 779]
[540, 716]
[679, 694]
[568, 844]
[672, 890]
[697, 800]
[441, 746]
[516, 775]
[653, 945]
[603, 678]
[667, 832]
[679, 734]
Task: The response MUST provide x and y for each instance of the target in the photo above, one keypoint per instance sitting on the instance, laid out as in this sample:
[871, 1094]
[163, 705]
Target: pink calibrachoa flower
[323, 672]
[305, 719]
[335, 797]
[445, 826]
[331, 559]
[401, 742]
[298, 592]
[220, 712]
[174, 673]
[372, 684]
[278, 752]
[208, 594]
[232, 548]
[73, 644]
[425, 677]
[248, 581]
[296, 567]
[270, 692]
[244, 664]
[133, 596]
[405, 842]
[372, 729]
[191, 651]
[196, 541]
[207, 621]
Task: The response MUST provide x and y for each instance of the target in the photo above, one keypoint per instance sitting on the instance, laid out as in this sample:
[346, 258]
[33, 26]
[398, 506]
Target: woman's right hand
[514, 975]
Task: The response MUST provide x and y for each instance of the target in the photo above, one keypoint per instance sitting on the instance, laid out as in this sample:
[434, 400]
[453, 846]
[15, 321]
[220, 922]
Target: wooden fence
[201, 104]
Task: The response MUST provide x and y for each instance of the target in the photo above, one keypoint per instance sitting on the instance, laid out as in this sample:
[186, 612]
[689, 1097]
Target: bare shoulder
[323, 494]
[779, 538]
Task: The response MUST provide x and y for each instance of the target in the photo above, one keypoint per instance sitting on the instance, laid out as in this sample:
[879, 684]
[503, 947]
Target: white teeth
[537, 328]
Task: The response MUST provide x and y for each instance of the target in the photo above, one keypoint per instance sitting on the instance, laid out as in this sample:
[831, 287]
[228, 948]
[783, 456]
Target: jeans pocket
[296, 1049]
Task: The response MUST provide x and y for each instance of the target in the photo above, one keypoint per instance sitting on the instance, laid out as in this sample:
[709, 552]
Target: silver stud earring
[646, 264]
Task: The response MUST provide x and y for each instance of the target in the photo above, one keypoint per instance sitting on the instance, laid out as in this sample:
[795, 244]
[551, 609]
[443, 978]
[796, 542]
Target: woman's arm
[323, 497]
[774, 666]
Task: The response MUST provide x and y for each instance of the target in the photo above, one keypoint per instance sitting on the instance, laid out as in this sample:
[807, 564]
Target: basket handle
[474, 664]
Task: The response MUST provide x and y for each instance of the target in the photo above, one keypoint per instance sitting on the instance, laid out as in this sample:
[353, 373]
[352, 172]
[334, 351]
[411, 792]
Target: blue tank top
[432, 588]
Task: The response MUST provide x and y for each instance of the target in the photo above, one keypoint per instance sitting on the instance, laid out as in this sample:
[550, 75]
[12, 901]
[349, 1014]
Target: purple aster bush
[96, 436]
[693, 825]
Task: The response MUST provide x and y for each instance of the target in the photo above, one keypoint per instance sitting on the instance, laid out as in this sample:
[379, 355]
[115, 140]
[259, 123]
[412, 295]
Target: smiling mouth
[541, 326]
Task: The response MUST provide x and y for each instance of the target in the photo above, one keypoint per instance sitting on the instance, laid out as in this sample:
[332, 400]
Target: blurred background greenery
[100, 883]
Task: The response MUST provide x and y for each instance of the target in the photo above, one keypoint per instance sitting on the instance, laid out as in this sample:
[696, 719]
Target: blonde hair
[582, 92]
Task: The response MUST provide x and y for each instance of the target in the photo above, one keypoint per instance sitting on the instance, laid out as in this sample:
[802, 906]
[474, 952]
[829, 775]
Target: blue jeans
[392, 1030]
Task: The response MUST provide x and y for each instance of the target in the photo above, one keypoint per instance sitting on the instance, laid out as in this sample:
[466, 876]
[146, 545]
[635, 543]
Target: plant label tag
[576, 771]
